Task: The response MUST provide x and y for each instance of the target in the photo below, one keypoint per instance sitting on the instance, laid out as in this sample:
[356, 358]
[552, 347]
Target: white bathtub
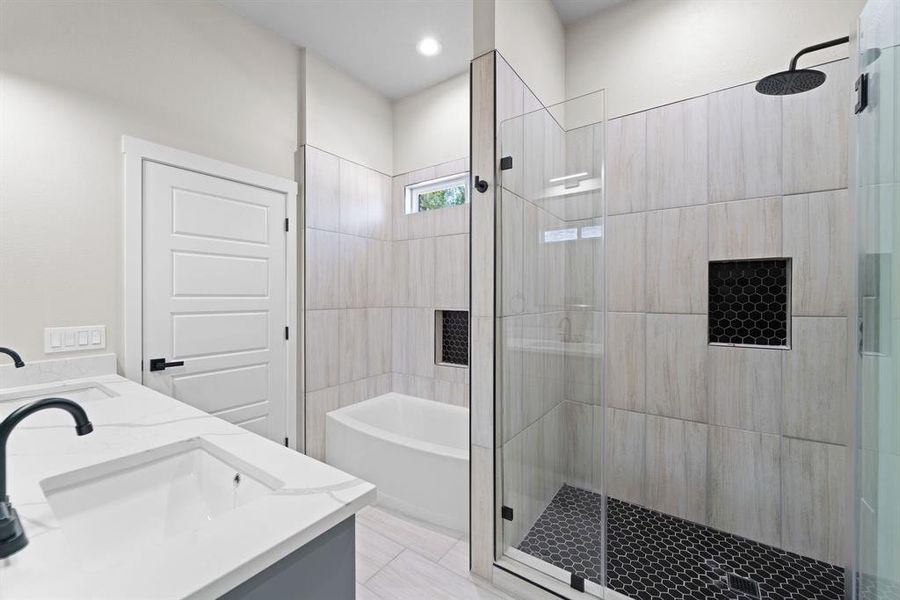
[415, 451]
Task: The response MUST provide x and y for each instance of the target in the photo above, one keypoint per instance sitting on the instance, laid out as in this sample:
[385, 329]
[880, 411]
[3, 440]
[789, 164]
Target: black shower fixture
[794, 80]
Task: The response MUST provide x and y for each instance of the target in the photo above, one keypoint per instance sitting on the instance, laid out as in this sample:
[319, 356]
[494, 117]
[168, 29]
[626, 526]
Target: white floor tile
[430, 544]
[373, 552]
[413, 577]
[457, 559]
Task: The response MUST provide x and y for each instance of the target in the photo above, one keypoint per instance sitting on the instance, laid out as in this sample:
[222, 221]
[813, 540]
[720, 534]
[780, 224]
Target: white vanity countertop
[203, 562]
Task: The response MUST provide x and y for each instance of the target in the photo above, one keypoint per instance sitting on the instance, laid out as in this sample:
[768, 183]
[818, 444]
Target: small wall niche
[451, 338]
[749, 303]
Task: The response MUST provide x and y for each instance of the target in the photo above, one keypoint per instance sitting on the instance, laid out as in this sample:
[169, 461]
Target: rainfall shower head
[794, 80]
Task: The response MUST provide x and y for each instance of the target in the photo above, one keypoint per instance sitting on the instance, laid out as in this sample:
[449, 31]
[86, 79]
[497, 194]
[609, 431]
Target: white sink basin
[80, 393]
[145, 498]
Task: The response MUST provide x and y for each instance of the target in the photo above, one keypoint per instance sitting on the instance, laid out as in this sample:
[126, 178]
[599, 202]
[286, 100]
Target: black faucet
[17, 360]
[12, 536]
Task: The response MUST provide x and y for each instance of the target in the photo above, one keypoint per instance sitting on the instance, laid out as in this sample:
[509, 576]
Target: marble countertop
[204, 562]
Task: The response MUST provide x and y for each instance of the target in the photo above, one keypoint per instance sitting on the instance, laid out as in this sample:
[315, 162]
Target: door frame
[134, 152]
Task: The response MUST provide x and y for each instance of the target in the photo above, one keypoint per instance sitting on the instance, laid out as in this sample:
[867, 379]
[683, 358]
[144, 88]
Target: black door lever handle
[160, 364]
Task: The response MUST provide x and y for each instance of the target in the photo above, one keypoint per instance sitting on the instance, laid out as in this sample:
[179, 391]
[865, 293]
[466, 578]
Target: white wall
[529, 34]
[432, 126]
[346, 118]
[75, 77]
[651, 52]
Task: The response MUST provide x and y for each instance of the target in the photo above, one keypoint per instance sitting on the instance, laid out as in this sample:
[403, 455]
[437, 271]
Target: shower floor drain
[655, 556]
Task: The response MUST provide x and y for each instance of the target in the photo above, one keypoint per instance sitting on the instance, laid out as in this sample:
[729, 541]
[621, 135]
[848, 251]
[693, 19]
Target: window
[447, 191]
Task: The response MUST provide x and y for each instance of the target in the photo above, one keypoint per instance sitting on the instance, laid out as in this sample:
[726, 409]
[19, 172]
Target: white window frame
[432, 185]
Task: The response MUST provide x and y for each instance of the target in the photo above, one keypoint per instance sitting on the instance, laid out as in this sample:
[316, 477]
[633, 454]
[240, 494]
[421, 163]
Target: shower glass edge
[550, 324]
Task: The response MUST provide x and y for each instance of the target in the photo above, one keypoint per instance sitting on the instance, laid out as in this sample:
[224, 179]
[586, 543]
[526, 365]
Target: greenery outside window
[452, 190]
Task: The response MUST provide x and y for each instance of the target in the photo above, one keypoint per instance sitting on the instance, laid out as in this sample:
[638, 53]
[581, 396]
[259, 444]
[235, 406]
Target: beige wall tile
[379, 215]
[322, 186]
[451, 281]
[322, 357]
[814, 483]
[815, 134]
[353, 277]
[676, 366]
[745, 484]
[626, 248]
[354, 344]
[745, 229]
[400, 324]
[816, 390]
[512, 254]
[623, 477]
[482, 377]
[400, 268]
[626, 369]
[378, 337]
[675, 475]
[399, 219]
[420, 284]
[482, 510]
[744, 144]
[745, 388]
[677, 278]
[353, 199]
[379, 273]
[322, 269]
[817, 238]
[677, 154]
[319, 403]
[626, 163]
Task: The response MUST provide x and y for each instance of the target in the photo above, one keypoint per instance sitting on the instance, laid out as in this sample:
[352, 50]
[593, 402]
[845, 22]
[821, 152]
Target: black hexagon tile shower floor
[654, 556]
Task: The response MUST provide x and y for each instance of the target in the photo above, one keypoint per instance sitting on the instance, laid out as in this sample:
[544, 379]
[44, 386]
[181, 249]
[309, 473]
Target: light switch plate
[74, 339]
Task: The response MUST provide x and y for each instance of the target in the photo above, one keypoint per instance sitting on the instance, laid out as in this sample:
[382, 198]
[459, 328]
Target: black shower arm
[817, 47]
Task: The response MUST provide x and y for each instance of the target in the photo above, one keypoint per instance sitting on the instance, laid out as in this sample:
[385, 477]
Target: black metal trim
[529, 581]
[577, 582]
[862, 93]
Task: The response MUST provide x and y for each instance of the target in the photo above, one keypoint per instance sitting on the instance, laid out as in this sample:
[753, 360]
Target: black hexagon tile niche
[654, 556]
[749, 301]
[455, 337]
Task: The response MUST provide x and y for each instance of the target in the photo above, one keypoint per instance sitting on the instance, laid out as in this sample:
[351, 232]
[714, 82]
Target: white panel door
[214, 296]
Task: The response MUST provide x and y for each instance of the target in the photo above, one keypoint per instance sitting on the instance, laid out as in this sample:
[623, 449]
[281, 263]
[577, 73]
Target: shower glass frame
[549, 329]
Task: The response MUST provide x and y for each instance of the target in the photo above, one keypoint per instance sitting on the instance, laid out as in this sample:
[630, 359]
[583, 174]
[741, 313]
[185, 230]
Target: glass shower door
[877, 507]
[549, 329]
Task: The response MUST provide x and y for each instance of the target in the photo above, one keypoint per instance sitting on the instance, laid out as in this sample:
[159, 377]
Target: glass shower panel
[878, 194]
[549, 329]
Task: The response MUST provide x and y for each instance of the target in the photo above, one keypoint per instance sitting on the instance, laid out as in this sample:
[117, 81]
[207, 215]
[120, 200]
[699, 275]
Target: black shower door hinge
[862, 93]
[285, 442]
[506, 163]
[507, 513]
[287, 333]
[287, 224]
[577, 582]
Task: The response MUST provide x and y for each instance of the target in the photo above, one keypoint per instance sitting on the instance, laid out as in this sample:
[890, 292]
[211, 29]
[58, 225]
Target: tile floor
[401, 559]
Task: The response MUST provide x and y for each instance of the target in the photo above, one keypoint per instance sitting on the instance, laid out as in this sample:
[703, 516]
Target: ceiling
[374, 40]
[572, 10]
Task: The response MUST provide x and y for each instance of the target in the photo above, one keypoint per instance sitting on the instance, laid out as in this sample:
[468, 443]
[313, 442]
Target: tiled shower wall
[370, 300]
[348, 288]
[747, 440]
[430, 256]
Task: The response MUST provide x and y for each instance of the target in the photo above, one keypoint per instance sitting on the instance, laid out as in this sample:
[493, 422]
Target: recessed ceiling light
[429, 46]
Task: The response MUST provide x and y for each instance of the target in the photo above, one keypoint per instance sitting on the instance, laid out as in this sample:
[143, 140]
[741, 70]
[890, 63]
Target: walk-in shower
[675, 323]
